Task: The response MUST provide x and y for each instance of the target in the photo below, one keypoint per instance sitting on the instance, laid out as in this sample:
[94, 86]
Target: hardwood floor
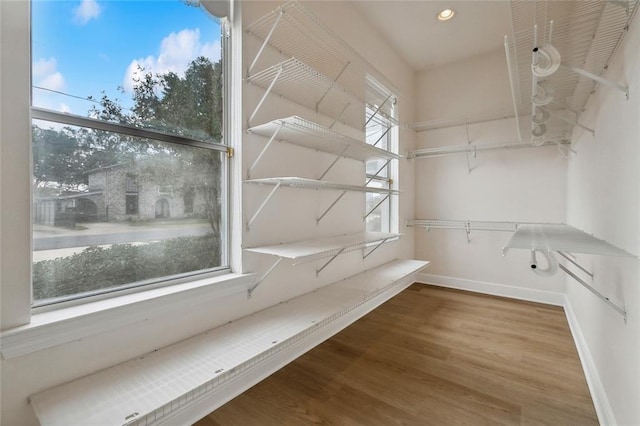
[430, 356]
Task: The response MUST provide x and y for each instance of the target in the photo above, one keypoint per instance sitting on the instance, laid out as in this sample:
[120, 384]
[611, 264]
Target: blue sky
[83, 47]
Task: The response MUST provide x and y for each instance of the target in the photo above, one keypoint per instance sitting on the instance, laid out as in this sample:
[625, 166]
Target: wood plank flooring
[429, 356]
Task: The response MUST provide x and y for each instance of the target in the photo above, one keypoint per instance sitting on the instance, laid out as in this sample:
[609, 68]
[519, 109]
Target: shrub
[98, 268]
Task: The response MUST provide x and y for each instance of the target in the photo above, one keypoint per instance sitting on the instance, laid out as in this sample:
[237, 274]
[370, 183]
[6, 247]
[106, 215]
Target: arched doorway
[86, 210]
[162, 209]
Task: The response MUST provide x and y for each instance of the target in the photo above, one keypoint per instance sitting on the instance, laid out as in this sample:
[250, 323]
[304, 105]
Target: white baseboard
[503, 290]
[598, 394]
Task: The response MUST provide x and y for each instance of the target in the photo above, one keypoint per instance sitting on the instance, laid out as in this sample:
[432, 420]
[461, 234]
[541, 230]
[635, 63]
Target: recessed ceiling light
[446, 14]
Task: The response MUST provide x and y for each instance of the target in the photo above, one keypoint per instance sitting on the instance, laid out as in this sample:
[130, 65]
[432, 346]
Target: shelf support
[266, 93]
[605, 299]
[373, 176]
[570, 121]
[263, 277]
[377, 111]
[382, 136]
[597, 78]
[376, 206]
[576, 264]
[266, 41]
[339, 115]
[467, 230]
[512, 84]
[329, 261]
[334, 162]
[264, 203]
[332, 84]
[330, 207]
[364, 256]
[266, 147]
[475, 155]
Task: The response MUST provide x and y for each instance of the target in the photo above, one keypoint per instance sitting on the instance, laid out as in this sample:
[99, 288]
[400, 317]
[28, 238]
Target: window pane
[152, 64]
[112, 210]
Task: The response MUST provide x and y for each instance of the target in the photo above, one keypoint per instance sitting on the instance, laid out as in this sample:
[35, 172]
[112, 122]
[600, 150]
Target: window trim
[38, 113]
[53, 327]
[19, 320]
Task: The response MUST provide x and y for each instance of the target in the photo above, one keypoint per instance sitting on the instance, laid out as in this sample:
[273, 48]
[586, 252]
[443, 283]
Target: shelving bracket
[377, 111]
[337, 119]
[266, 40]
[266, 93]
[597, 78]
[330, 207]
[467, 230]
[470, 148]
[338, 157]
[263, 277]
[570, 121]
[266, 147]
[574, 263]
[329, 261]
[333, 83]
[264, 203]
[373, 176]
[376, 206]
[602, 297]
[382, 136]
[364, 256]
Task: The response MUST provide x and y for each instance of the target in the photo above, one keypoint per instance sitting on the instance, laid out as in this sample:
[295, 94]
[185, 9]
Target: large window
[380, 132]
[127, 101]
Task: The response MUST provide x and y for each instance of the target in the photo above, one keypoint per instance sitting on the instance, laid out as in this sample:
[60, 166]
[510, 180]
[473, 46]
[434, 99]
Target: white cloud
[46, 74]
[86, 11]
[43, 67]
[53, 81]
[177, 50]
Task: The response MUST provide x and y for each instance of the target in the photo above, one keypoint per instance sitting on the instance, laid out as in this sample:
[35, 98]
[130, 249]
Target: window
[131, 197]
[380, 132]
[188, 199]
[124, 115]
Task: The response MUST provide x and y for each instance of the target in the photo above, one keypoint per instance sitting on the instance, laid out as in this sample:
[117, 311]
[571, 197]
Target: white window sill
[65, 325]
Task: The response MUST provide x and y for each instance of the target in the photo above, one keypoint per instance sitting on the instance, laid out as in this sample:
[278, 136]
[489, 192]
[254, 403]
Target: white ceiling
[411, 28]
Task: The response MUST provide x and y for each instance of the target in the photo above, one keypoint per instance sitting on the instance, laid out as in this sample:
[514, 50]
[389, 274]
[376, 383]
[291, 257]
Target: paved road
[132, 234]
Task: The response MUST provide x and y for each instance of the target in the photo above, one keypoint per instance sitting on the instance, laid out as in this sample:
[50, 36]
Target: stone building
[134, 191]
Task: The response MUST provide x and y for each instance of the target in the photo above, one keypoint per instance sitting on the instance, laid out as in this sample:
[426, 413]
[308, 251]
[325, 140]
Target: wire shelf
[298, 33]
[306, 86]
[563, 238]
[296, 182]
[473, 148]
[311, 250]
[465, 225]
[586, 34]
[306, 133]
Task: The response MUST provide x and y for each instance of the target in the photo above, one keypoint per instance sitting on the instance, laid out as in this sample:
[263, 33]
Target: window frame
[24, 329]
[389, 214]
[226, 150]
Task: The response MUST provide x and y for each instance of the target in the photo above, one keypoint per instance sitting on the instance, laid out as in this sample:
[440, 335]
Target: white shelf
[306, 86]
[563, 238]
[310, 250]
[295, 31]
[305, 133]
[465, 225]
[297, 182]
[173, 379]
[473, 148]
[585, 34]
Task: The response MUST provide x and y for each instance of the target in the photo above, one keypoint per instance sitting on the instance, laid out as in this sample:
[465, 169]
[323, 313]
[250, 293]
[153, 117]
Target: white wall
[526, 185]
[292, 218]
[604, 199]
